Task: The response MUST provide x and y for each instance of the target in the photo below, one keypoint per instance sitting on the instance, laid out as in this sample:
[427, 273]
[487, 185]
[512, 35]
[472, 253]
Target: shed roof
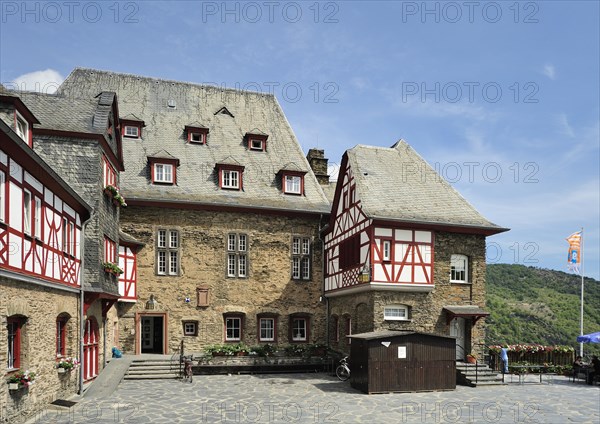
[373, 335]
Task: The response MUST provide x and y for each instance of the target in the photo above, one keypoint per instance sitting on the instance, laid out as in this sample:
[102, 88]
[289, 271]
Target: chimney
[318, 163]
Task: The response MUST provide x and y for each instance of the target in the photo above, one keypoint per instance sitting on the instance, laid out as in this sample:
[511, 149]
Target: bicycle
[187, 373]
[343, 371]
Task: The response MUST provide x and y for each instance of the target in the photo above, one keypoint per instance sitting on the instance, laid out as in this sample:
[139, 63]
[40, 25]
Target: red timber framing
[410, 257]
[39, 231]
[108, 172]
[347, 244]
[196, 134]
[128, 280]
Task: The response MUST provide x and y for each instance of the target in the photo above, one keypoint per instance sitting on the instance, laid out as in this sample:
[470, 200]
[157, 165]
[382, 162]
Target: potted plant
[317, 349]
[20, 379]
[471, 359]
[295, 350]
[111, 268]
[111, 190]
[66, 364]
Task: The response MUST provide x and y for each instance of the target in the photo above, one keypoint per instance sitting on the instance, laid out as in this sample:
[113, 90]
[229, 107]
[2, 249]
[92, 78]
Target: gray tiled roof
[63, 113]
[147, 98]
[396, 183]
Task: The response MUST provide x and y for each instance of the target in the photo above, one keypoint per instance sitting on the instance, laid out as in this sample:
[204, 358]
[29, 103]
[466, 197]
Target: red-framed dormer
[230, 174]
[23, 119]
[195, 133]
[163, 168]
[256, 140]
[131, 126]
[292, 179]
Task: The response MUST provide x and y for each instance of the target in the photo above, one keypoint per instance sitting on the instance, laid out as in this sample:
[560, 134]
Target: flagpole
[582, 269]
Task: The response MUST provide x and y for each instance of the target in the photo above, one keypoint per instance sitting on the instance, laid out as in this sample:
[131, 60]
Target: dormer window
[292, 180]
[196, 134]
[21, 127]
[230, 176]
[163, 173]
[257, 142]
[163, 168]
[131, 131]
[131, 126]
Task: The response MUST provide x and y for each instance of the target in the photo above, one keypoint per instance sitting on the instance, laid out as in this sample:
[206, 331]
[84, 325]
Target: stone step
[155, 367]
[151, 371]
[488, 383]
[484, 378]
[151, 377]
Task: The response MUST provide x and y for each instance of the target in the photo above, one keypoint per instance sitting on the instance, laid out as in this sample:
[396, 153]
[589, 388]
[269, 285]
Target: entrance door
[457, 329]
[152, 334]
[90, 349]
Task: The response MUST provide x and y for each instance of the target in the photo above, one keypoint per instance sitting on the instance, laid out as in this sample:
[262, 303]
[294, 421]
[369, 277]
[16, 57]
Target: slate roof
[396, 183]
[147, 98]
[62, 113]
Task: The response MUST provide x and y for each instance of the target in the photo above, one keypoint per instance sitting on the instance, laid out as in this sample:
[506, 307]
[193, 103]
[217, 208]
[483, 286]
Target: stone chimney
[318, 163]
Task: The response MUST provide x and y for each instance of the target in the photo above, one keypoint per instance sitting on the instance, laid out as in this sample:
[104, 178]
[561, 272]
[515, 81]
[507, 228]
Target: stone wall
[203, 234]
[426, 309]
[39, 307]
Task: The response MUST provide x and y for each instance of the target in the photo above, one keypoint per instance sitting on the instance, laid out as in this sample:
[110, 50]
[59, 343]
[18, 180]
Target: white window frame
[386, 250]
[192, 330]
[166, 169]
[2, 196]
[27, 206]
[237, 255]
[230, 178]
[135, 134]
[21, 132]
[37, 217]
[293, 184]
[267, 329]
[167, 252]
[232, 320]
[301, 258]
[201, 135]
[260, 146]
[459, 264]
[396, 313]
[295, 336]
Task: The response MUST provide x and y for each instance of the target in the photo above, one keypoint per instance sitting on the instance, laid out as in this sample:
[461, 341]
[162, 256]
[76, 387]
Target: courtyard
[321, 398]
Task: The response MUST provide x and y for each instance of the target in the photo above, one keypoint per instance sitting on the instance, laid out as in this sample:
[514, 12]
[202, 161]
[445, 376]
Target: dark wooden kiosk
[402, 361]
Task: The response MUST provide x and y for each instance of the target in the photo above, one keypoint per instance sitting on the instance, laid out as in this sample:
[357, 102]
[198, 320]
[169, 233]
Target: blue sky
[502, 98]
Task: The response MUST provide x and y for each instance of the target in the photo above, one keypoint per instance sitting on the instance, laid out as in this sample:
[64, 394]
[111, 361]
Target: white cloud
[46, 81]
[549, 71]
[564, 125]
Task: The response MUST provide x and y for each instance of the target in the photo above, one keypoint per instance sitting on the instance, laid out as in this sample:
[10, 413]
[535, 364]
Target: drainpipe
[323, 283]
[81, 298]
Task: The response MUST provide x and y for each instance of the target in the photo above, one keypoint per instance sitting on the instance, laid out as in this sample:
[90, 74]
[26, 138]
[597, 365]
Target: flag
[574, 257]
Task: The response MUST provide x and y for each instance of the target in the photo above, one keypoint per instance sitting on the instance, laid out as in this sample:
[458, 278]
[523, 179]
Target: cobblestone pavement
[321, 398]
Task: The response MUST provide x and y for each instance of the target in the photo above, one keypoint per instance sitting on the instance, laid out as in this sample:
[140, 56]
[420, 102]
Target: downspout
[81, 299]
[323, 284]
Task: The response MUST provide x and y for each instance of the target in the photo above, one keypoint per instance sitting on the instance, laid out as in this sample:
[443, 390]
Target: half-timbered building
[403, 250]
[41, 221]
[228, 211]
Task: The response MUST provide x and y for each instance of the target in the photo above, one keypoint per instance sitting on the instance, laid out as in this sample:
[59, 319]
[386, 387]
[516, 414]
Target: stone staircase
[156, 368]
[485, 376]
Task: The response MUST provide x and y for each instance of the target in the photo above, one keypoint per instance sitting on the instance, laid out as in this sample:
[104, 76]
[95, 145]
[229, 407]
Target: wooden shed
[402, 361]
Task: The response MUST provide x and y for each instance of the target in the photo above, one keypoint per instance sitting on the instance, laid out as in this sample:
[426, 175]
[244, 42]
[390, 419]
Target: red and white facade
[40, 233]
[128, 279]
[364, 254]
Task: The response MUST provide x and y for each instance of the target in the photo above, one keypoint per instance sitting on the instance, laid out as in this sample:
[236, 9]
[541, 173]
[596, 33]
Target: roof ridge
[172, 82]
